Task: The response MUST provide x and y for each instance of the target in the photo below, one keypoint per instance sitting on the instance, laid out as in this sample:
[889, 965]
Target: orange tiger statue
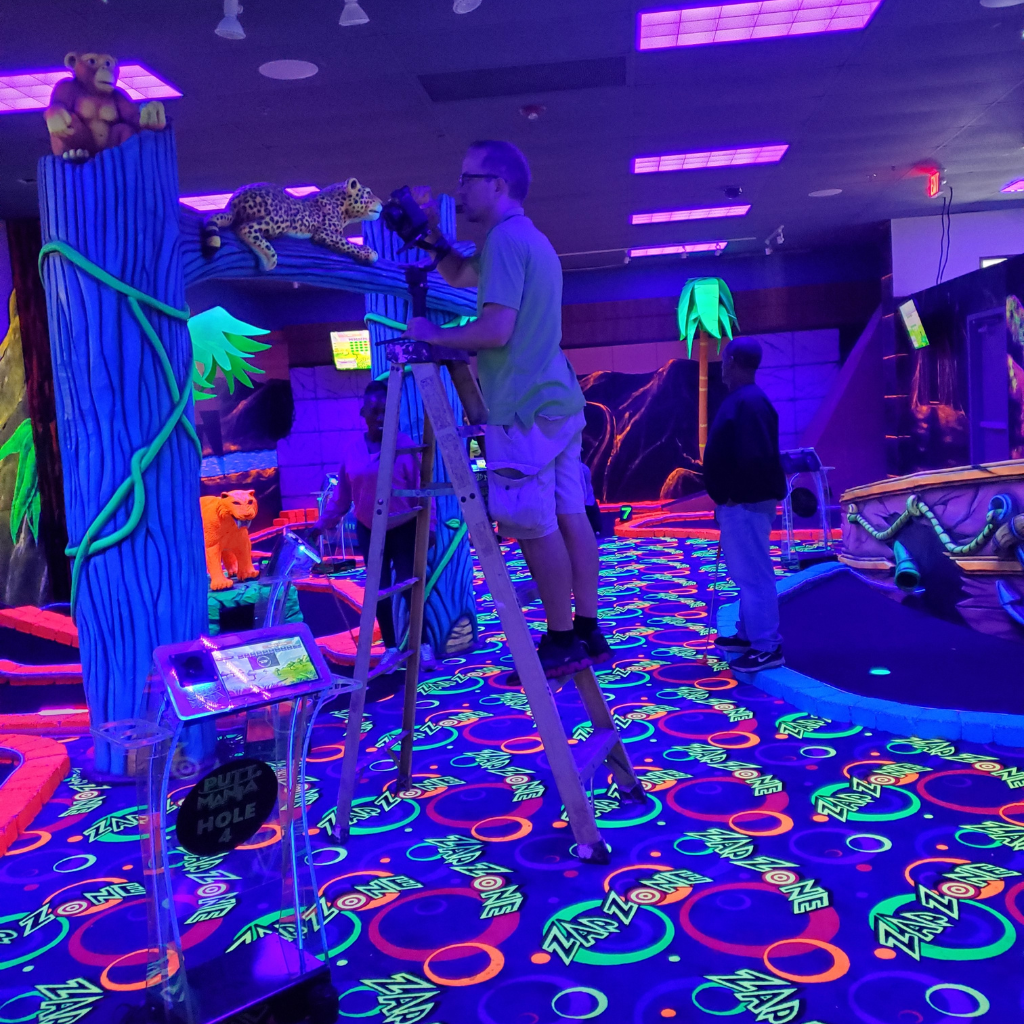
[226, 535]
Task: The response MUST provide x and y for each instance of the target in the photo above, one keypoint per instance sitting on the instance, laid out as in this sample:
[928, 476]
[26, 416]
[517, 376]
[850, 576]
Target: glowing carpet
[784, 869]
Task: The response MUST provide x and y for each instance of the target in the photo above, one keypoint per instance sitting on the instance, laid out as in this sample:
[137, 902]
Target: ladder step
[471, 430]
[393, 747]
[397, 588]
[433, 491]
[591, 753]
[386, 665]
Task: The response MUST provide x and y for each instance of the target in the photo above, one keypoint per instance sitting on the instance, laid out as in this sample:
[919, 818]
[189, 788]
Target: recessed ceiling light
[1001, 3]
[711, 158]
[707, 213]
[743, 22]
[218, 200]
[30, 90]
[824, 193]
[465, 6]
[288, 70]
[678, 250]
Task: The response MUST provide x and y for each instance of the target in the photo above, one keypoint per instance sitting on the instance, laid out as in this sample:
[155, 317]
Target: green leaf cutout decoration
[705, 304]
[26, 485]
[222, 342]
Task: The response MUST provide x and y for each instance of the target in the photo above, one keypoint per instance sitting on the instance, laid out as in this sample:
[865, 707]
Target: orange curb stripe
[22, 796]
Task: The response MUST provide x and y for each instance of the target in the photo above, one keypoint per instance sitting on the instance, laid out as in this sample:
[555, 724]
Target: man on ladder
[532, 433]
[535, 405]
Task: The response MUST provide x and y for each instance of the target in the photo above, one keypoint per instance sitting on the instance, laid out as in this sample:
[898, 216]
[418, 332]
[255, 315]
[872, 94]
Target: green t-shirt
[529, 375]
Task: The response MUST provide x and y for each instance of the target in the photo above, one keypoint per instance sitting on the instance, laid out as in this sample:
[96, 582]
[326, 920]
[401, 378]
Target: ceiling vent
[525, 79]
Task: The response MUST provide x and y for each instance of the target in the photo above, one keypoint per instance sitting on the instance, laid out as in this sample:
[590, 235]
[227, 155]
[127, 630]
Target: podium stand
[246, 703]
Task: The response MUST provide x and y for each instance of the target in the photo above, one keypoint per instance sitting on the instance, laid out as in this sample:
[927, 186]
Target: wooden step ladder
[571, 766]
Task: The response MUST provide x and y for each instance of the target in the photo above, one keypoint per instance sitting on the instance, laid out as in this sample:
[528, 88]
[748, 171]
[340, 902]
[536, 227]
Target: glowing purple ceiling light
[704, 213]
[711, 158]
[30, 90]
[213, 201]
[1017, 185]
[218, 200]
[676, 250]
[741, 22]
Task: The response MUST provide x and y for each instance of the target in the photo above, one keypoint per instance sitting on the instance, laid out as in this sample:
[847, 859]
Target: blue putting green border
[837, 705]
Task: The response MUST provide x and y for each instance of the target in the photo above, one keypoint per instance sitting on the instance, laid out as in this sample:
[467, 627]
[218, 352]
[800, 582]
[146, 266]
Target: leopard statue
[226, 536]
[260, 213]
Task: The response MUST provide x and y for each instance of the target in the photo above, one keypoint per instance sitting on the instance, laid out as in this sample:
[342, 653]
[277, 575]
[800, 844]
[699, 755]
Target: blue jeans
[746, 532]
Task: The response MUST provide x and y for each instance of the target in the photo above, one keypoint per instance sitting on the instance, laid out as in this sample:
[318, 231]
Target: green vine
[394, 325]
[91, 544]
[998, 511]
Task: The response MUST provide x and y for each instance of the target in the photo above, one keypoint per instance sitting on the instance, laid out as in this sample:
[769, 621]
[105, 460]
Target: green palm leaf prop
[26, 485]
[705, 304]
[221, 342]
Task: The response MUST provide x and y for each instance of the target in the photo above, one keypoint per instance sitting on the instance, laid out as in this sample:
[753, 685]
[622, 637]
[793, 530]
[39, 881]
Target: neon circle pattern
[980, 1010]
[469, 900]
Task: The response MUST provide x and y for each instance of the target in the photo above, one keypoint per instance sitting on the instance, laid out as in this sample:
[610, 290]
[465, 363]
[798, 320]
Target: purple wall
[848, 430]
[327, 421]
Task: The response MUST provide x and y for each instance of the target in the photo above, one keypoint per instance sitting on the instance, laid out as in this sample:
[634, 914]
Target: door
[988, 386]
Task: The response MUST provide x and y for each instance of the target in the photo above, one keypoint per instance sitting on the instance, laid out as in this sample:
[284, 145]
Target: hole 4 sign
[226, 807]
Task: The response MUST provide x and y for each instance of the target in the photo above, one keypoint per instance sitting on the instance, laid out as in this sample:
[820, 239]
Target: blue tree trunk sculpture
[449, 621]
[115, 394]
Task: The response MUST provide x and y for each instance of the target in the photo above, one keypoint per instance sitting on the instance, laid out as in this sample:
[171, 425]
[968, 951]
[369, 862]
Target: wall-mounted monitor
[912, 321]
[351, 350]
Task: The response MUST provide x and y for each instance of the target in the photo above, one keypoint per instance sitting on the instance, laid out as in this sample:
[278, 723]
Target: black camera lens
[403, 215]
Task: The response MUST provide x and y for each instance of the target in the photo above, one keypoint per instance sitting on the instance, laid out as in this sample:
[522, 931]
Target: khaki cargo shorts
[534, 475]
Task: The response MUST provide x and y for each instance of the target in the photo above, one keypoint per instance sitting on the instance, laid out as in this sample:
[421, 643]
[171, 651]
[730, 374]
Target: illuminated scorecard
[213, 675]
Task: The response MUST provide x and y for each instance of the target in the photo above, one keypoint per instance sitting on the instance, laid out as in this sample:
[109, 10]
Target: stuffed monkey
[87, 113]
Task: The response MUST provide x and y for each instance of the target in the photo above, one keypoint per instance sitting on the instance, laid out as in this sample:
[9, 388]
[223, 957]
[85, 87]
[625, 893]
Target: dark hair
[745, 353]
[507, 162]
[376, 387]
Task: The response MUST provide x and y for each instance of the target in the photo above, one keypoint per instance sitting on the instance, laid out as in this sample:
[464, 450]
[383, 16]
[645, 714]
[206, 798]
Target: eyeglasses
[463, 178]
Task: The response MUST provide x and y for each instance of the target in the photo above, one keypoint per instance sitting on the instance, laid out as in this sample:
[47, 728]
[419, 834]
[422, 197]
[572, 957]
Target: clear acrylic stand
[249, 699]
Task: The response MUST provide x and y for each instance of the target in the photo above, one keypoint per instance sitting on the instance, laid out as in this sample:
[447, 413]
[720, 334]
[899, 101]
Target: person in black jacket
[743, 475]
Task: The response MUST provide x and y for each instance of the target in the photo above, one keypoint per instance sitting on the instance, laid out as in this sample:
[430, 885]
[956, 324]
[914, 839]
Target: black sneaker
[758, 661]
[557, 661]
[732, 644]
[597, 646]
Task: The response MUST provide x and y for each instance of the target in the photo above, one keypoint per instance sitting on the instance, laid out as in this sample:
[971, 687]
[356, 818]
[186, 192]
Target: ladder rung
[471, 430]
[411, 451]
[343, 685]
[386, 665]
[397, 588]
[433, 491]
[395, 744]
[591, 753]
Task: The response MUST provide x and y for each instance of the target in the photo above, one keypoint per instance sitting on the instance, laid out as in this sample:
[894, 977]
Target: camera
[405, 217]
[266, 660]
